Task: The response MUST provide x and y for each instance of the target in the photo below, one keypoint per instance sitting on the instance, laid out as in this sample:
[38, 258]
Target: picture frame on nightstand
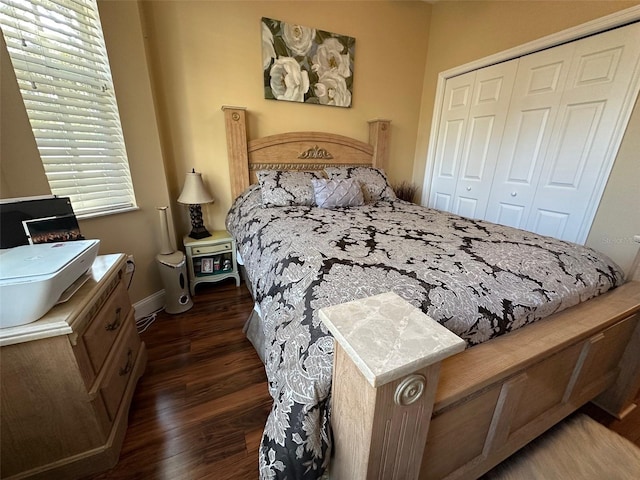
[207, 265]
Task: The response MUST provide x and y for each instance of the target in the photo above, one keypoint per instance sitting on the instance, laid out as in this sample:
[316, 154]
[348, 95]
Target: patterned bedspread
[478, 279]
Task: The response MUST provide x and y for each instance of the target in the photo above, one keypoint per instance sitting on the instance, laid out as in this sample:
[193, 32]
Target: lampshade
[194, 192]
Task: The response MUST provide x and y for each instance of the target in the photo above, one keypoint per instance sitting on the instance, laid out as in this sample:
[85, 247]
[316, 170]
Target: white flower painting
[303, 64]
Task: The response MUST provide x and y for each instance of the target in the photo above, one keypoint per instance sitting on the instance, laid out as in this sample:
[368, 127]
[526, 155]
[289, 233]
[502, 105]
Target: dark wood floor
[199, 409]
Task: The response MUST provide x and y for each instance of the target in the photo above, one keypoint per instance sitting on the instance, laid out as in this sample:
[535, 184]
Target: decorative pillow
[337, 193]
[373, 180]
[286, 188]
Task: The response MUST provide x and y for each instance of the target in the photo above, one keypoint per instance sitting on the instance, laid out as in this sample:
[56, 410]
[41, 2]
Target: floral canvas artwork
[303, 64]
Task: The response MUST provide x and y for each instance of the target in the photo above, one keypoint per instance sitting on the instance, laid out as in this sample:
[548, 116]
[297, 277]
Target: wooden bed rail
[470, 410]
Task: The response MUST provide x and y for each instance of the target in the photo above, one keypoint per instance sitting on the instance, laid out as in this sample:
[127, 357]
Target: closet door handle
[468, 189]
[514, 194]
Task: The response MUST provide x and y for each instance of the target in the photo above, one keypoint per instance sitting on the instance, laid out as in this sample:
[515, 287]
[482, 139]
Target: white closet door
[539, 159]
[587, 133]
[471, 125]
[534, 106]
[451, 134]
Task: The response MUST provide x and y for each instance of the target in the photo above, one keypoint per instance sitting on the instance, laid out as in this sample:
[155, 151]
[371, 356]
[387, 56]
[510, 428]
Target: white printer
[33, 277]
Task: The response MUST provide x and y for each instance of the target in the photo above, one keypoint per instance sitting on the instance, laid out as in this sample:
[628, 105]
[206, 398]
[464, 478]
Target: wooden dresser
[67, 381]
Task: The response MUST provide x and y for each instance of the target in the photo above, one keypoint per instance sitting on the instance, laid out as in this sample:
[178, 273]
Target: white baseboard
[148, 305]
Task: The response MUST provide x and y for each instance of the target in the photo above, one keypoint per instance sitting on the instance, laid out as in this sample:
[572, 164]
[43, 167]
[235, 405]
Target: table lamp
[194, 193]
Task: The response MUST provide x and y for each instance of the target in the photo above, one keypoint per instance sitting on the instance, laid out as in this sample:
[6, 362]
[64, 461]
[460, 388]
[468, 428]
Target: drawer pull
[221, 248]
[127, 368]
[116, 323]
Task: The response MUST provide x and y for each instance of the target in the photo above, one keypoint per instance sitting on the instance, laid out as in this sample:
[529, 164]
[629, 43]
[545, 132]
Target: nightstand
[211, 259]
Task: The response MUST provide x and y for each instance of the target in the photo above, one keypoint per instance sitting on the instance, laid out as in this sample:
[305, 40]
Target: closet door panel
[601, 80]
[487, 116]
[475, 167]
[576, 136]
[453, 124]
[530, 123]
[550, 223]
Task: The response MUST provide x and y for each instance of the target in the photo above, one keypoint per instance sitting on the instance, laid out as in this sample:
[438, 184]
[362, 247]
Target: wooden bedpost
[379, 136]
[235, 126]
[385, 373]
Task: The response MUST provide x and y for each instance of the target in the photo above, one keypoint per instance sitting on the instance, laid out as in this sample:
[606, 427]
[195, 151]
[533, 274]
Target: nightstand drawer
[104, 329]
[223, 247]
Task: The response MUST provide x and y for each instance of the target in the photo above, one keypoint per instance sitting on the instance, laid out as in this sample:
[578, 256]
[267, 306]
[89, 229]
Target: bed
[546, 330]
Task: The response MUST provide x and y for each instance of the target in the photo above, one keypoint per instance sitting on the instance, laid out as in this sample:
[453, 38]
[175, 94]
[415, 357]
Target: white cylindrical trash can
[173, 272]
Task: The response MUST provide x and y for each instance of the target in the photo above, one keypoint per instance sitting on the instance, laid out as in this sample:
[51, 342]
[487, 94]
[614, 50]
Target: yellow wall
[175, 63]
[21, 170]
[208, 54]
[618, 217]
[461, 32]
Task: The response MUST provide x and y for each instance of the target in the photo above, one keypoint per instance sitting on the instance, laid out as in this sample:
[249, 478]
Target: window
[59, 56]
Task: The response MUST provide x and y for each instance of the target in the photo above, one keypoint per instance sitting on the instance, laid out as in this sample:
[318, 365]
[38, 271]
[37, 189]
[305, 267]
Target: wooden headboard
[297, 150]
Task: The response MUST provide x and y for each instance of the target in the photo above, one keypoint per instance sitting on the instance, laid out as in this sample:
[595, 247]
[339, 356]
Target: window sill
[86, 216]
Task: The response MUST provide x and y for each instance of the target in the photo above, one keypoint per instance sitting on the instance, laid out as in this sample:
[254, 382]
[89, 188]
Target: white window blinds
[59, 56]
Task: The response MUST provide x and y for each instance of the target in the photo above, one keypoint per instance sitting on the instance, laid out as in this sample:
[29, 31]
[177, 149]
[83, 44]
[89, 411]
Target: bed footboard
[476, 407]
[386, 365]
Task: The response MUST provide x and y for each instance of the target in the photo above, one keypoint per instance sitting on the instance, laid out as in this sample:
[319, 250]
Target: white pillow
[337, 193]
[286, 188]
[373, 180]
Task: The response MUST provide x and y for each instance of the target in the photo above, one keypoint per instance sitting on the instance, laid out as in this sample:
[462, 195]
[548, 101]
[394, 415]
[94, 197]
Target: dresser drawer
[105, 327]
[120, 367]
[223, 247]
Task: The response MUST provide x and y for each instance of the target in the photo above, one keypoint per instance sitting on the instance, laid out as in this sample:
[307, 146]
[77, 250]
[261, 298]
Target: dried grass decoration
[405, 191]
